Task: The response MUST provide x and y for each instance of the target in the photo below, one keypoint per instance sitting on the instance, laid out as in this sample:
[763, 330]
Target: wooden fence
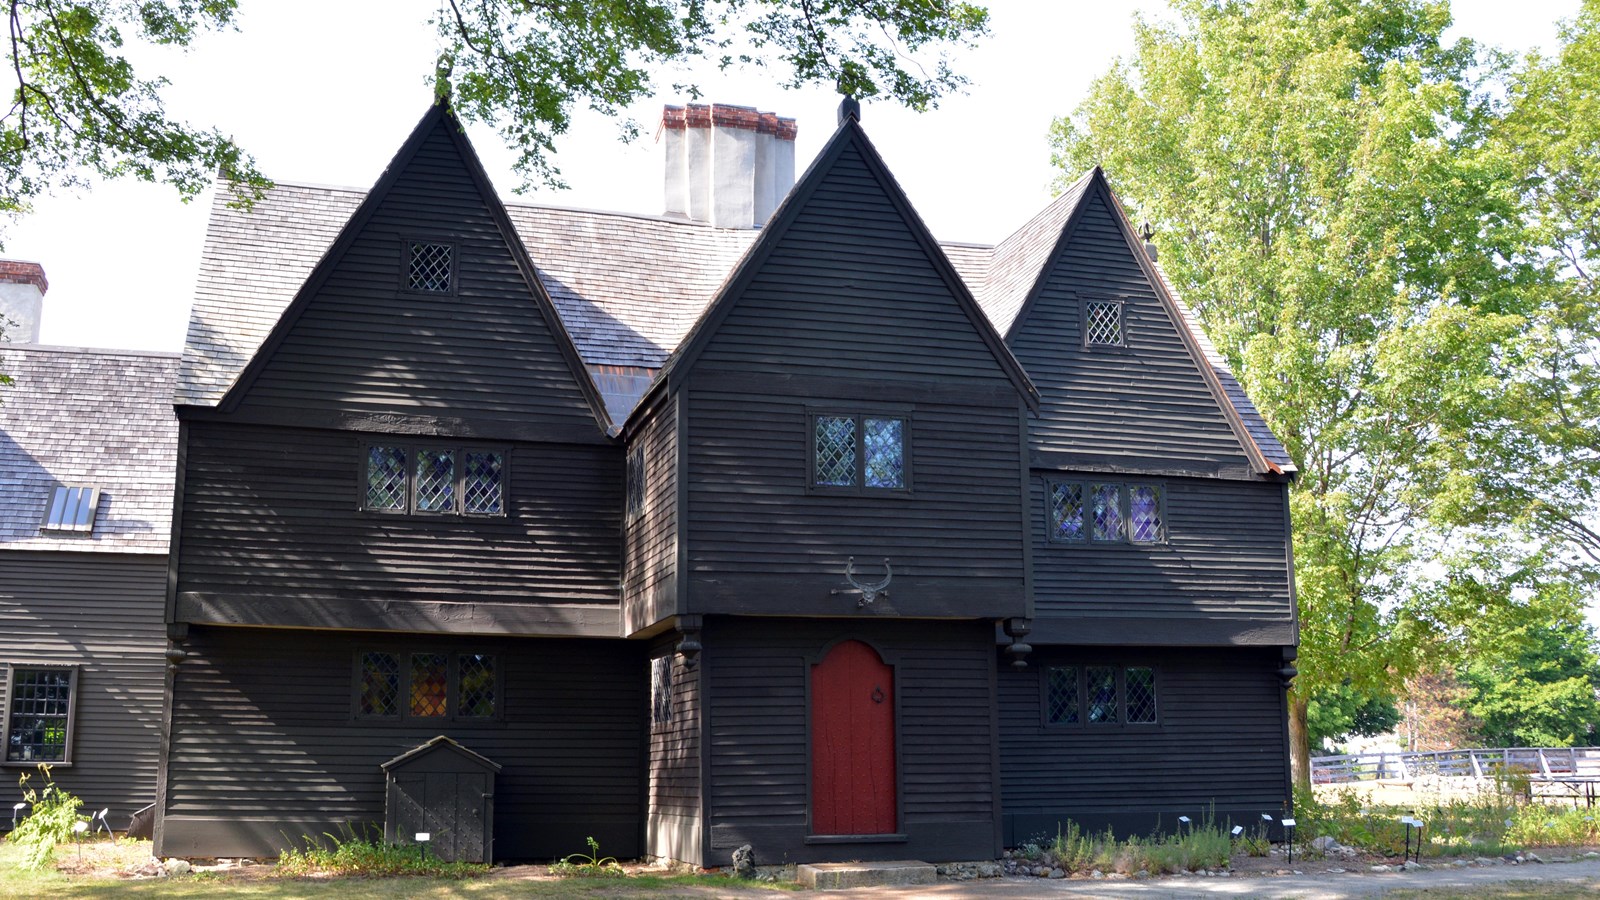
[1546, 763]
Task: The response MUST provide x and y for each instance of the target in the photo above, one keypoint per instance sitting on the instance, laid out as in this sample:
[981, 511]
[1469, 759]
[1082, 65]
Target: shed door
[450, 806]
[852, 742]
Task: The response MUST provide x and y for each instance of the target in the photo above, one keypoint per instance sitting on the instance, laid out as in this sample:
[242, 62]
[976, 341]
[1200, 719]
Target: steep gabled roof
[88, 418]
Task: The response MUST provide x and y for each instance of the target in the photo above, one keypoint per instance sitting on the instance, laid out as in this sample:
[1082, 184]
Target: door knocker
[878, 696]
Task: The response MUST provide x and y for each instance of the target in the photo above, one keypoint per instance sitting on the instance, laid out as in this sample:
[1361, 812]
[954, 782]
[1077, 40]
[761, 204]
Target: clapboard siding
[265, 746]
[1148, 401]
[849, 291]
[759, 541]
[272, 514]
[673, 823]
[103, 613]
[650, 544]
[1219, 744]
[1226, 557]
[758, 672]
[364, 344]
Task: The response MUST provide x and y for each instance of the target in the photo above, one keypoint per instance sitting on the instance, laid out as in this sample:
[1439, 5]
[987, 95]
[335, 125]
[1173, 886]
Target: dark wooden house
[713, 534]
[87, 451]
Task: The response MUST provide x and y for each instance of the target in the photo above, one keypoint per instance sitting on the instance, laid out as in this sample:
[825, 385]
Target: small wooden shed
[444, 789]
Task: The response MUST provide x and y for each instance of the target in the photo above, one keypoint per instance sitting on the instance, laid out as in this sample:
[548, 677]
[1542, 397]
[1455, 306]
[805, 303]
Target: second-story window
[434, 480]
[1105, 512]
[860, 452]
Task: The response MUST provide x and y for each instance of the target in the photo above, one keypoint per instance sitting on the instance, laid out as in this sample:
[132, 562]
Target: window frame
[408, 245]
[859, 487]
[1125, 490]
[73, 670]
[1121, 303]
[403, 717]
[459, 452]
[1085, 723]
[87, 529]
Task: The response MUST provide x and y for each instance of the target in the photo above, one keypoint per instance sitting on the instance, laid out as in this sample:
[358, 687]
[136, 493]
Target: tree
[1536, 685]
[1340, 211]
[1340, 712]
[78, 109]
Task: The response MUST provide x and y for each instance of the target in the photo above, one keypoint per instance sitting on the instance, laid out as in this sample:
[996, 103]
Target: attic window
[71, 509]
[429, 267]
[1102, 323]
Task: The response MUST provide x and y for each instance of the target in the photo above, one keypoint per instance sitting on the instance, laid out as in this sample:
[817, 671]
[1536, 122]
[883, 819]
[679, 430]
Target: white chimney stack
[22, 288]
[729, 166]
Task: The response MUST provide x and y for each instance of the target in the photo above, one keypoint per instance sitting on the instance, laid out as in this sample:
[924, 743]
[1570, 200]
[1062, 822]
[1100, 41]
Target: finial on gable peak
[849, 108]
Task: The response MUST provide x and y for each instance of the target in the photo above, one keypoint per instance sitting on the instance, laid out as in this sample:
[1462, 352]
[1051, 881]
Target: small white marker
[423, 837]
[1266, 817]
[1183, 819]
[1238, 830]
[80, 826]
[1288, 823]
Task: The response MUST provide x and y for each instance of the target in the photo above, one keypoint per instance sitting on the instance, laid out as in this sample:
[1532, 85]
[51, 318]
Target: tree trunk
[1299, 742]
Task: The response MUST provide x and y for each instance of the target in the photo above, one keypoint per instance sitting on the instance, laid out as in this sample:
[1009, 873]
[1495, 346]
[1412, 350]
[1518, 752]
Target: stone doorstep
[890, 873]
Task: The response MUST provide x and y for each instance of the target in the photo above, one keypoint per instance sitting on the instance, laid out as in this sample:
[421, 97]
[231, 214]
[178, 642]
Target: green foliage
[592, 865]
[51, 814]
[1536, 687]
[1206, 845]
[349, 854]
[1339, 712]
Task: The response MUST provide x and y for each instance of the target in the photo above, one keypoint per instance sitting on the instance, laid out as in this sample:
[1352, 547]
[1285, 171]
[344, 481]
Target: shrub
[52, 814]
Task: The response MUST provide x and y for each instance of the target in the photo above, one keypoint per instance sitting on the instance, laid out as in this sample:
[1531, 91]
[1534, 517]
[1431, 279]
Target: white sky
[325, 92]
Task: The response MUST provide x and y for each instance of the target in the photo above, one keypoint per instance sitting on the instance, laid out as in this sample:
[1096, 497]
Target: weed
[351, 854]
[52, 813]
[592, 865]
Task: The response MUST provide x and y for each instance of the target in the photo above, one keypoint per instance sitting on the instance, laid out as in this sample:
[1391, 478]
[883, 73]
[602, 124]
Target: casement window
[661, 690]
[71, 509]
[860, 453]
[634, 487]
[1088, 511]
[1104, 324]
[1099, 695]
[433, 479]
[39, 705]
[426, 686]
[430, 267]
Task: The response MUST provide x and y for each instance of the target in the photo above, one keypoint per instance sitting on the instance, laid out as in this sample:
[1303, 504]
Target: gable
[1145, 406]
[486, 352]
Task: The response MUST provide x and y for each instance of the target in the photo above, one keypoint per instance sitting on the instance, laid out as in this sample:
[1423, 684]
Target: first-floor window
[434, 480]
[424, 685]
[38, 713]
[1099, 695]
[1105, 512]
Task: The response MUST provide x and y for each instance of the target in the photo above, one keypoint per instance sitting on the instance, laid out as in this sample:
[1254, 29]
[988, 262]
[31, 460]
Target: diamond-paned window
[1061, 695]
[386, 478]
[635, 483]
[1144, 514]
[436, 481]
[480, 487]
[428, 267]
[1141, 689]
[1066, 511]
[835, 451]
[475, 674]
[1106, 511]
[1102, 691]
[380, 685]
[1102, 323]
[38, 714]
[884, 442]
[430, 685]
[661, 690]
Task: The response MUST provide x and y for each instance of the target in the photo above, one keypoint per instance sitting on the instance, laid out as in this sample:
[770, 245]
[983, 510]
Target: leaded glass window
[428, 267]
[1141, 690]
[386, 478]
[835, 451]
[1101, 683]
[436, 480]
[884, 441]
[1107, 511]
[661, 690]
[1102, 323]
[1144, 514]
[635, 483]
[475, 674]
[39, 714]
[1061, 695]
[380, 685]
[430, 685]
[480, 487]
[1066, 511]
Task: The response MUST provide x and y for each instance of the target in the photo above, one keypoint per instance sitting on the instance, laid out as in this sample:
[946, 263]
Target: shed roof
[442, 743]
[77, 417]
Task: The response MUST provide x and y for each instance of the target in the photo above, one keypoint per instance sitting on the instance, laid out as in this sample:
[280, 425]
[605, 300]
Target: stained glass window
[386, 478]
[1061, 695]
[436, 481]
[835, 451]
[1066, 511]
[38, 713]
[430, 684]
[1144, 513]
[481, 482]
[1141, 695]
[1102, 690]
[475, 673]
[1102, 322]
[428, 267]
[884, 441]
[860, 451]
[380, 684]
[1107, 511]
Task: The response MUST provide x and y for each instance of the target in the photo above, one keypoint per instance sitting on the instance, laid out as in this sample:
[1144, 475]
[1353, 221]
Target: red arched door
[852, 742]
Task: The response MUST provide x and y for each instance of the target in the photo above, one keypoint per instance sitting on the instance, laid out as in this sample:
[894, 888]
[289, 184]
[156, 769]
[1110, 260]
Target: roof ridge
[102, 351]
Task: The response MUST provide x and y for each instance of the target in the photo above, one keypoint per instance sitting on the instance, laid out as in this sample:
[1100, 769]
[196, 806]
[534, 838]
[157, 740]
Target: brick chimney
[22, 287]
[729, 166]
